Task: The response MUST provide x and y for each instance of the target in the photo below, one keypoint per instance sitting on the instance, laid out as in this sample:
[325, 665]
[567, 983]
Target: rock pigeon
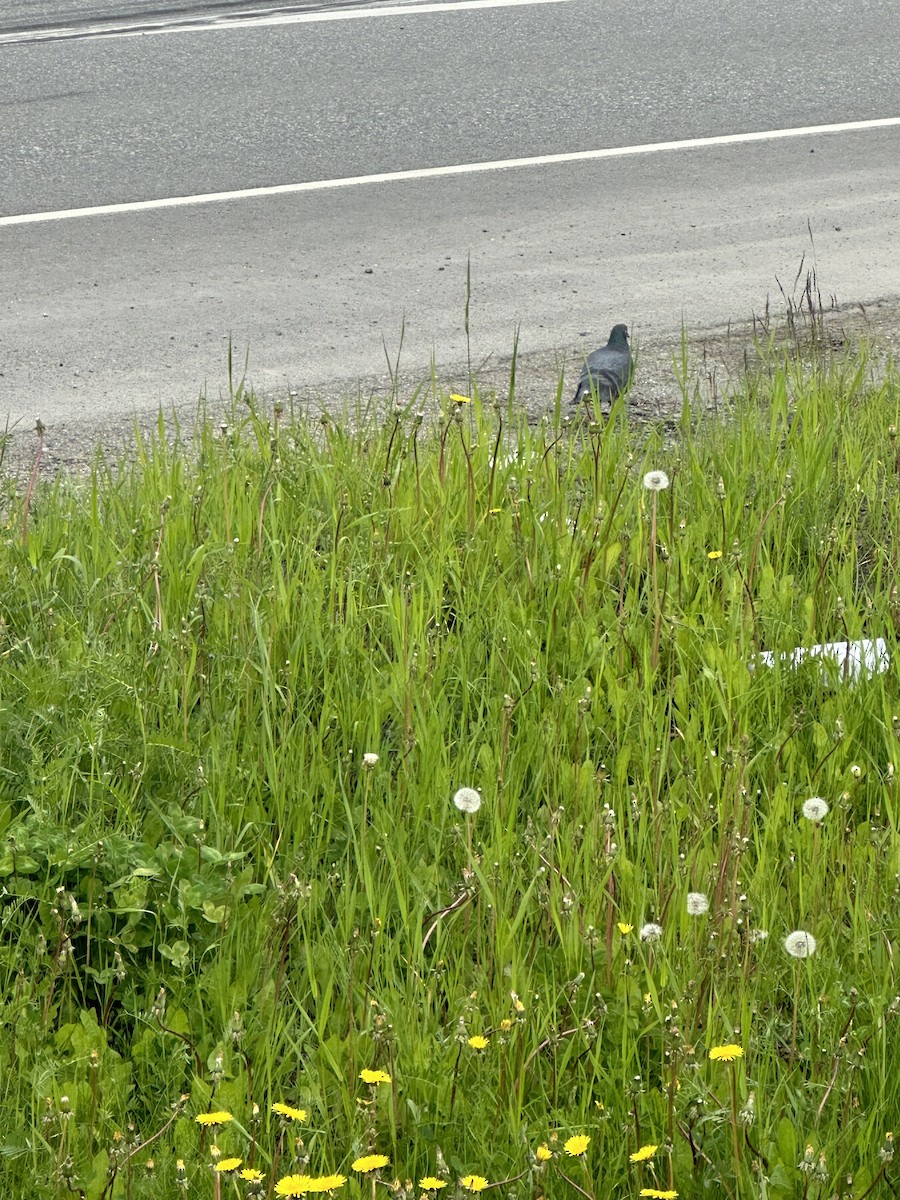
[607, 371]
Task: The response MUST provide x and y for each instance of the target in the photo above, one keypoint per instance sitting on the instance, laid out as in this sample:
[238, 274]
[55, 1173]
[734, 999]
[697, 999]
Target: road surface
[107, 313]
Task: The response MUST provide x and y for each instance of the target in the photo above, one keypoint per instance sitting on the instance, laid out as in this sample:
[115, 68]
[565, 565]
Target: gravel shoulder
[717, 359]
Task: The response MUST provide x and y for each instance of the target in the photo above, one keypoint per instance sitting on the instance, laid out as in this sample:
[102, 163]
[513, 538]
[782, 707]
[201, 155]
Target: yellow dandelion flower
[251, 1175]
[301, 1185]
[291, 1114]
[543, 1153]
[213, 1118]
[478, 1042]
[643, 1154]
[457, 398]
[713, 555]
[624, 928]
[431, 1184]
[293, 1185]
[725, 1053]
[370, 1162]
[577, 1145]
[474, 1183]
[228, 1164]
[368, 1076]
[506, 1025]
[671, 1194]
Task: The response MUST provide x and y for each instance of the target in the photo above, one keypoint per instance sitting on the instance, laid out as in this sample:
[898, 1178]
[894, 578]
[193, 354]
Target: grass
[213, 902]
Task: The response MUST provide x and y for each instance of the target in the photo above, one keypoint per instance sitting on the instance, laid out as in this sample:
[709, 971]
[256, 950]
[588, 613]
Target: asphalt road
[105, 314]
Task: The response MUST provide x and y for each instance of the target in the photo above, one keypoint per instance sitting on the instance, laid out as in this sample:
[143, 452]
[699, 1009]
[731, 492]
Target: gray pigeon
[607, 371]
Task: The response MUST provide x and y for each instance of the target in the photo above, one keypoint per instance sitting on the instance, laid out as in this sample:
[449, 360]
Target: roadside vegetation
[393, 807]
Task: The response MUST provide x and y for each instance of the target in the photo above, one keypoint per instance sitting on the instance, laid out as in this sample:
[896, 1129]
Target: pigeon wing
[607, 372]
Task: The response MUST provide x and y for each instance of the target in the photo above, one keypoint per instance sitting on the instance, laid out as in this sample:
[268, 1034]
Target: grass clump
[400, 809]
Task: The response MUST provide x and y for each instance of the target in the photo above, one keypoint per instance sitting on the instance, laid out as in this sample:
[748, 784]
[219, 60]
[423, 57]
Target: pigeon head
[619, 335]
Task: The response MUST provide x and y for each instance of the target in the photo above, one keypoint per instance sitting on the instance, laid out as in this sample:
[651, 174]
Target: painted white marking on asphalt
[506, 164]
[214, 24]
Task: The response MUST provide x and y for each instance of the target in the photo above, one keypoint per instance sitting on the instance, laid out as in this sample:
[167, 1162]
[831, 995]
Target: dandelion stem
[572, 1183]
[455, 1077]
[654, 583]
[504, 1182]
[874, 1183]
[796, 1009]
[735, 1136]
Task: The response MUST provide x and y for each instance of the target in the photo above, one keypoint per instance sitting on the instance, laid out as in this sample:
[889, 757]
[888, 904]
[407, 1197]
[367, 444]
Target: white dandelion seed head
[656, 481]
[370, 758]
[651, 932]
[467, 800]
[697, 904]
[758, 935]
[800, 944]
[815, 808]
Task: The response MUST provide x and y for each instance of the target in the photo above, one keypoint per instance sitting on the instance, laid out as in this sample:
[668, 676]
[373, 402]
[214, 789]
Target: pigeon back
[607, 371]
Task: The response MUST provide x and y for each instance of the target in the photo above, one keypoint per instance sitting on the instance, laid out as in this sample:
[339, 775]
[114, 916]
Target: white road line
[507, 164]
[215, 24]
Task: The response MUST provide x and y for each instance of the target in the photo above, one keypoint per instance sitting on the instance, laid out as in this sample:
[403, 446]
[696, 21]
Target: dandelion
[656, 481]
[815, 808]
[758, 935]
[213, 1118]
[543, 1153]
[625, 928]
[251, 1175]
[712, 556]
[725, 1053]
[478, 1042]
[368, 1076]
[697, 904]
[651, 932]
[290, 1114]
[458, 398]
[671, 1194]
[506, 1025]
[577, 1145]
[807, 1163]
[467, 800]
[228, 1164]
[370, 759]
[431, 1184]
[295, 1185]
[517, 1003]
[474, 1183]
[642, 1155]
[299, 1185]
[370, 1162]
[800, 944]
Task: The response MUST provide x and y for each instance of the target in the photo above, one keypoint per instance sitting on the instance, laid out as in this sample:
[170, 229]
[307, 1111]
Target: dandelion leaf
[97, 1177]
[787, 1142]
